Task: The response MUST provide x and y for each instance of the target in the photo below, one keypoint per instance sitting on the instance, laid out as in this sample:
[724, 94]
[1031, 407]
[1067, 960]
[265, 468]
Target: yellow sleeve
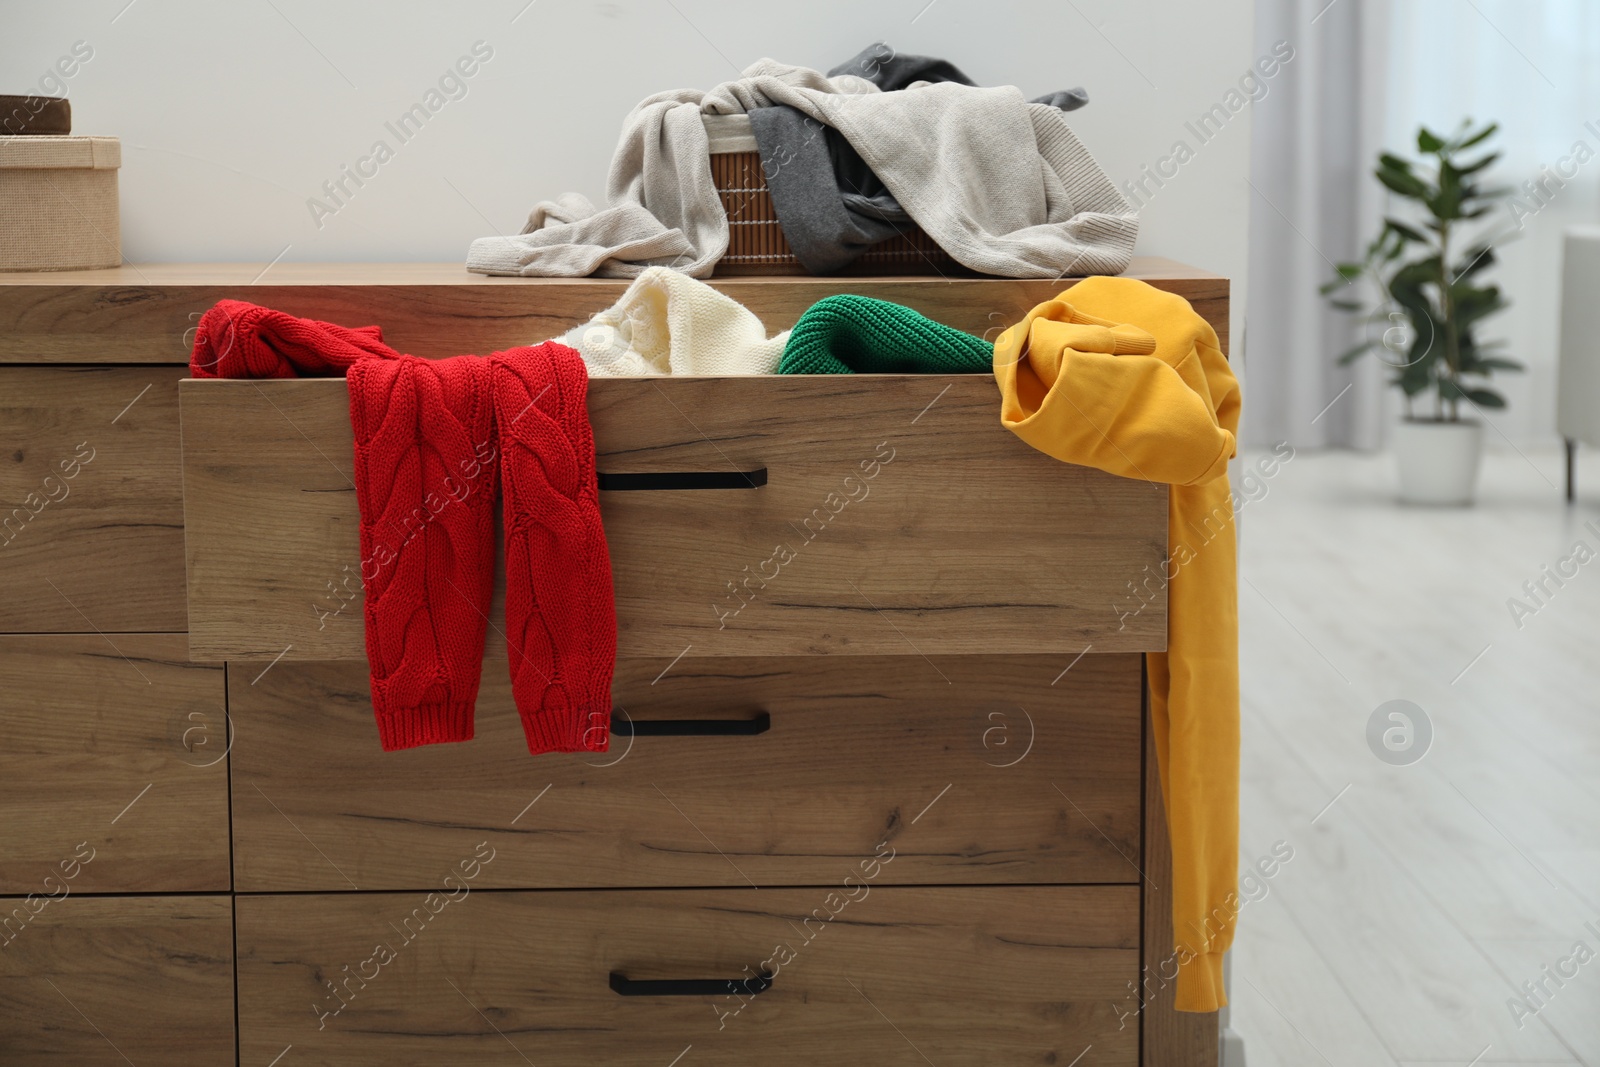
[1153, 398]
[1132, 415]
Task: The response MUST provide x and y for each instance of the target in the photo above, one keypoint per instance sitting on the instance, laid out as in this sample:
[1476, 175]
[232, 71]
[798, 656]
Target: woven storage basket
[756, 244]
[58, 203]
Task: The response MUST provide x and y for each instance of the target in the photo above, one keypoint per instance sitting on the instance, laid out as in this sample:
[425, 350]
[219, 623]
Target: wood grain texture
[118, 742]
[1170, 1038]
[898, 518]
[958, 977]
[112, 981]
[977, 768]
[440, 309]
[91, 511]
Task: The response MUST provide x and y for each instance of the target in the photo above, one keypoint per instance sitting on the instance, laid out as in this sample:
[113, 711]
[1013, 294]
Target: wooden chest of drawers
[905, 774]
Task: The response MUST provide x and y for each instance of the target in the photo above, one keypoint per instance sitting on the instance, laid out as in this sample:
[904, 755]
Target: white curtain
[1313, 203]
[1365, 75]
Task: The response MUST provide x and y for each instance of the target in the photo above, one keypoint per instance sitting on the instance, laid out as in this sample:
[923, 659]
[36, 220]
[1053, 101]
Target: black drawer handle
[758, 723]
[689, 987]
[684, 480]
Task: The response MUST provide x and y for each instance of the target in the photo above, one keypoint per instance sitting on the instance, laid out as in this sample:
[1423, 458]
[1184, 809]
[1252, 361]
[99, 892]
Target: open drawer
[894, 515]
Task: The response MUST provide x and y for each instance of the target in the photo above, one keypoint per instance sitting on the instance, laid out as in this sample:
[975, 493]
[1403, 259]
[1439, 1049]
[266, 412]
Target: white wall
[233, 115]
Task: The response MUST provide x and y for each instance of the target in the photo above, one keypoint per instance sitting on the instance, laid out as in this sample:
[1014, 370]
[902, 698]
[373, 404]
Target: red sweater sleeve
[239, 340]
[425, 485]
[425, 478]
[433, 441]
[560, 615]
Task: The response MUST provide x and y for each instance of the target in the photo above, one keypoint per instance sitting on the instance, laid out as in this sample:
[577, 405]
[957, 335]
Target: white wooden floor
[1420, 898]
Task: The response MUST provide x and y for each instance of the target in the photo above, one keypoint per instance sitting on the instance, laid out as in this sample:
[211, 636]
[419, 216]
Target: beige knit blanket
[1003, 185]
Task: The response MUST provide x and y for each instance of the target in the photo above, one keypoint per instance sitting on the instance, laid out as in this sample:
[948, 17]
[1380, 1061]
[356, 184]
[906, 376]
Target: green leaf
[1428, 141]
[1348, 273]
[1495, 363]
[1408, 232]
[1478, 164]
[1469, 359]
[1347, 305]
[1422, 357]
[1404, 184]
[1406, 284]
[1446, 203]
[1468, 296]
[1350, 355]
[1485, 398]
[1481, 135]
[1478, 257]
[1473, 305]
[1395, 173]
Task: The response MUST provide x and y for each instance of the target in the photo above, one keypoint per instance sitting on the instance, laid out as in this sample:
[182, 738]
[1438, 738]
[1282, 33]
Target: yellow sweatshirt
[1118, 375]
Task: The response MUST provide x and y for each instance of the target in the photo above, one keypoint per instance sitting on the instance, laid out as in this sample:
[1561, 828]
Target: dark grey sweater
[831, 206]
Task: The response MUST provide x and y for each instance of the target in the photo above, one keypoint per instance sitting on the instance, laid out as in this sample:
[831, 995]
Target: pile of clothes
[669, 323]
[1112, 374]
[851, 158]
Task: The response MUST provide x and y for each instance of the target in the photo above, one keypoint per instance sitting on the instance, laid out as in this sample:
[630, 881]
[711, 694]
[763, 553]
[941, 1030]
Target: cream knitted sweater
[670, 323]
[1001, 184]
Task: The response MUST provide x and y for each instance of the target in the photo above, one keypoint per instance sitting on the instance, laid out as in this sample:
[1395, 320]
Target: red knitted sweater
[434, 440]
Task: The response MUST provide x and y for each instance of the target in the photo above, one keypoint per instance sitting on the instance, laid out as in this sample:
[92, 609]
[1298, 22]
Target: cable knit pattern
[560, 612]
[432, 440]
[845, 334]
[425, 484]
[240, 340]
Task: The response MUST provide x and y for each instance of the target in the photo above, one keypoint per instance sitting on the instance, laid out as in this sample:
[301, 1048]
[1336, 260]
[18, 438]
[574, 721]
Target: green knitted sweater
[860, 335]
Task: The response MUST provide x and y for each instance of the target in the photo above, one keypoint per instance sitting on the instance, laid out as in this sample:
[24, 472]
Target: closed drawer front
[898, 517]
[91, 506]
[959, 977]
[114, 746]
[976, 768]
[105, 980]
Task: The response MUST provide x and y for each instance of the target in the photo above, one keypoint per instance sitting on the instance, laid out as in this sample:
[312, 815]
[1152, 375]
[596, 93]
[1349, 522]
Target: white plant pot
[1438, 461]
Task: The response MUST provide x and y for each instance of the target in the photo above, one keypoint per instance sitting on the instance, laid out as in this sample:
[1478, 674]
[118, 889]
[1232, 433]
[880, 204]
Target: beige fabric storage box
[58, 203]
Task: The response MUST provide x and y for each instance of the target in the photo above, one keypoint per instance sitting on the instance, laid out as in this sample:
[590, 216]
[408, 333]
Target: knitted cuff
[1200, 983]
[426, 724]
[581, 729]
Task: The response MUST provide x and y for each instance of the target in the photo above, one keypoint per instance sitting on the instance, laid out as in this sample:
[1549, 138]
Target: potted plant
[1424, 322]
